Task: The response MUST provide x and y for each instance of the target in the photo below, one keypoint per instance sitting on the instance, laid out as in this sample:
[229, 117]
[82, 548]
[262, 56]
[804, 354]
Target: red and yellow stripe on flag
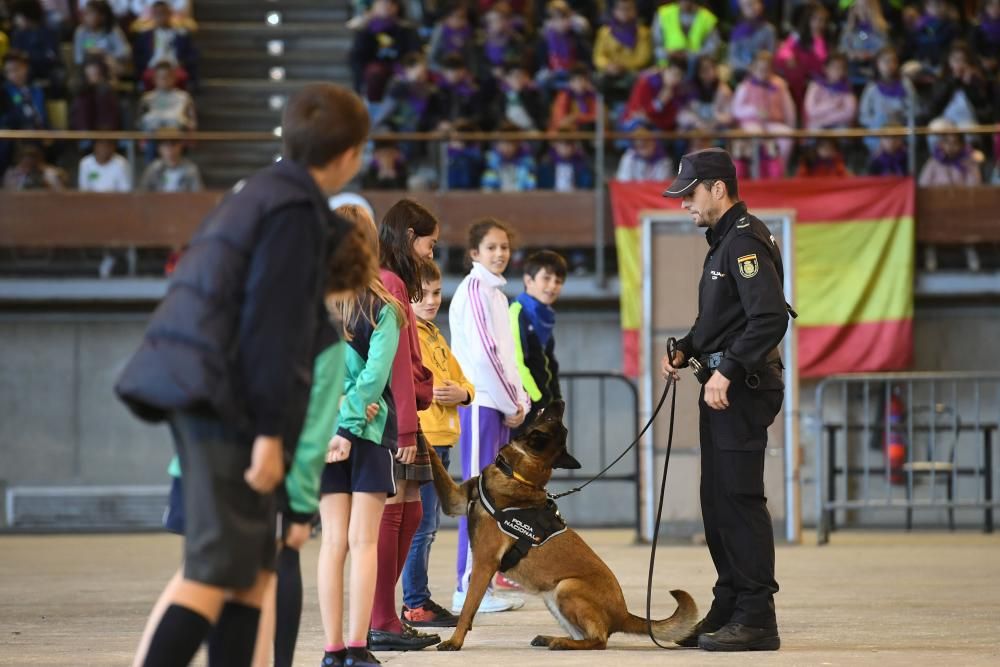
[854, 247]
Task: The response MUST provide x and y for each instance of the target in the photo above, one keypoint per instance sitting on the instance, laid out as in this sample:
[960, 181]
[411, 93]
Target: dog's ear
[566, 461]
[553, 411]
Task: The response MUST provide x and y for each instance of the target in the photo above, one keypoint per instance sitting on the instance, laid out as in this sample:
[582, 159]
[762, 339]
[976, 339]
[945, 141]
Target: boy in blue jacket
[532, 320]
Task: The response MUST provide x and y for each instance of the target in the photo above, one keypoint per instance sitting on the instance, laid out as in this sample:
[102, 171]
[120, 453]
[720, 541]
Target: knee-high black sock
[289, 612]
[232, 641]
[177, 638]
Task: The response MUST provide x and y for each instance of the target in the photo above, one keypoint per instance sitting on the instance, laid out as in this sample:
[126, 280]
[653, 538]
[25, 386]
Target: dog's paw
[541, 640]
[449, 645]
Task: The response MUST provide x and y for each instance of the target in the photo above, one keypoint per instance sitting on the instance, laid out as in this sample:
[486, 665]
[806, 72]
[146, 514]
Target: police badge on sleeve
[748, 265]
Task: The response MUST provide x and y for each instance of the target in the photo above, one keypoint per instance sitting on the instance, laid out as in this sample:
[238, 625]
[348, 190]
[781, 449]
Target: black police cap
[703, 165]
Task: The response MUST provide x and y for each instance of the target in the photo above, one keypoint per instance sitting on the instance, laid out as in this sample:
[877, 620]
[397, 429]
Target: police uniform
[742, 317]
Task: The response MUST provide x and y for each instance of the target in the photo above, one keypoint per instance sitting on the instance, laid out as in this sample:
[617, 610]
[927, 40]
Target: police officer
[742, 316]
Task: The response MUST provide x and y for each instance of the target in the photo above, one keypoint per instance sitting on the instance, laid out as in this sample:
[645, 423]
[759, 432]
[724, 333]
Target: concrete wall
[60, 423]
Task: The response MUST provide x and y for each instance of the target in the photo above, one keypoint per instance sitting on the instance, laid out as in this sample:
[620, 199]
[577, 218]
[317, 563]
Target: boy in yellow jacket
[439, 424]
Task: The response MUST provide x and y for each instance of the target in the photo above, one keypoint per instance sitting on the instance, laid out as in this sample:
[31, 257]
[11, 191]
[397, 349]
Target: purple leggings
[483, 434]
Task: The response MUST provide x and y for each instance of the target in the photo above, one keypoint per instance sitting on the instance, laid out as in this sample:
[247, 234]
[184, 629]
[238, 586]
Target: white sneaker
[490, 603]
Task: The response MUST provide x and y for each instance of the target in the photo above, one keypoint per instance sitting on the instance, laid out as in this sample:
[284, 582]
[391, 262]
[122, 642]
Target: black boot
[739, 637]
[703, 626]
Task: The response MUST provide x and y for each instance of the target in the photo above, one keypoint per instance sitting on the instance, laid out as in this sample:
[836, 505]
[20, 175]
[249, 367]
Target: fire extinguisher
[895, 446]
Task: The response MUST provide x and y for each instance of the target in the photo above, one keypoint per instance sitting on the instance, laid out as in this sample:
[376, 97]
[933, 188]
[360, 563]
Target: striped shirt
[483, 343]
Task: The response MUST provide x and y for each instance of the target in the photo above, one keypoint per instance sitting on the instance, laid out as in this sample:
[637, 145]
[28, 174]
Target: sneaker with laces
[428, 615]
[502, 583]
[490, 603]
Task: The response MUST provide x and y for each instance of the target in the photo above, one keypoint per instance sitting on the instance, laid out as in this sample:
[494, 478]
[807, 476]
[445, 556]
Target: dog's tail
[673, 629]
[454, 498]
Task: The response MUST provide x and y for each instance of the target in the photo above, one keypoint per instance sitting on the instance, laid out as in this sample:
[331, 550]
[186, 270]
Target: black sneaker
[429, 615]
[700, 628]
[739, 637]
[360, 657]
[333, 658]
[408, 640]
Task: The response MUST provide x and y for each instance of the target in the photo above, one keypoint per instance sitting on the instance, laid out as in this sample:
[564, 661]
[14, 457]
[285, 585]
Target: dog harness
[529, 526]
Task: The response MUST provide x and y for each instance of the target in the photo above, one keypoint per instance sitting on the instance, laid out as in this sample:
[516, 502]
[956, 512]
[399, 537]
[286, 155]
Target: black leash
[670, 384]
[659, 511]
[611, 465]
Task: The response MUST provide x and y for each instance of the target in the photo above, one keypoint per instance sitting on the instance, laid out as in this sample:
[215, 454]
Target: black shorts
[367, 470]
[229, 529]
[173, 515]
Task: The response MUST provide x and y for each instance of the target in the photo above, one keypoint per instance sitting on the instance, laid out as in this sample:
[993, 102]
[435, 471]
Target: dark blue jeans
[415, 589]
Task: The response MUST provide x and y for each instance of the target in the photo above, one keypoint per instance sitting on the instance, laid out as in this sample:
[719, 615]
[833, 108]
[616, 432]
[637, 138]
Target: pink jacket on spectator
[963, 171]
[798, 65]
[828, 106]
[763, 102]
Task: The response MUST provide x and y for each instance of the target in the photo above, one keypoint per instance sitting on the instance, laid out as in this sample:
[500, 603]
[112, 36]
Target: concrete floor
[866, 599]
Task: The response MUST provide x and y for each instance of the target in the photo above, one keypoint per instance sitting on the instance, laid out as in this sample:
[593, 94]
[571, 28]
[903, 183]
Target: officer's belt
[529, 526]
[712, 360]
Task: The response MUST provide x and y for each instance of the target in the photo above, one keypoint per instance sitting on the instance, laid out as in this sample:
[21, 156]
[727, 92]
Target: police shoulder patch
[748, 265]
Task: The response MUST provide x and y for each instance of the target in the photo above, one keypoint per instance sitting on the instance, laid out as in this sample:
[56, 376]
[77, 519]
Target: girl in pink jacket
[830, 102]
[762, 103]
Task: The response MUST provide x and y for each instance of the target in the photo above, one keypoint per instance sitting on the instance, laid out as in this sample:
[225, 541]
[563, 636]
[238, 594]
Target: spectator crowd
[562, 66]
[684, 65]
[98, 66]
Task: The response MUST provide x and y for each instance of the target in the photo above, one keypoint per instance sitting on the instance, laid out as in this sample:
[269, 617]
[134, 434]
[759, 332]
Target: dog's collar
[501, 463]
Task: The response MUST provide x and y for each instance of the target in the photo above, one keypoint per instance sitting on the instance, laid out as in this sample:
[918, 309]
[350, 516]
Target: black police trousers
[733, 505]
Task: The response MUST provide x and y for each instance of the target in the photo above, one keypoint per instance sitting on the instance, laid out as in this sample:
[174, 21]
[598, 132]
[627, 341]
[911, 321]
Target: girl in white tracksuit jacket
[483, 343]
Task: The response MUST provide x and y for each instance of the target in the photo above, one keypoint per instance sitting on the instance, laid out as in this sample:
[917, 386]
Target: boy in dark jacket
[228, 358]
[532, 320]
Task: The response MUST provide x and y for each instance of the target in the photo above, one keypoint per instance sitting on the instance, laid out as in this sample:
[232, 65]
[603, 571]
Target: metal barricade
[905, 442]
[602, 417]
[599, 429]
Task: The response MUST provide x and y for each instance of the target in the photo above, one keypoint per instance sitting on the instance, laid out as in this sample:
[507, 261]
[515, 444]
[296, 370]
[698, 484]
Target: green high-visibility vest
[674, 38]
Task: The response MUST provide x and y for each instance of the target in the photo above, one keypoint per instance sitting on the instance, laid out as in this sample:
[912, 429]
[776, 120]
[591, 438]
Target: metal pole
[648, 445]
[755, 158]
[130, 154]
[599, 221]
[793, 489]
[822, 534]
[912, 143]
[443, 165]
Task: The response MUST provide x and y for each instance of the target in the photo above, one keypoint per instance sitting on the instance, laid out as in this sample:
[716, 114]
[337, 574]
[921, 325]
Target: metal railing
[598, 139]
[887, 442]
[594, 443]
[599, 431]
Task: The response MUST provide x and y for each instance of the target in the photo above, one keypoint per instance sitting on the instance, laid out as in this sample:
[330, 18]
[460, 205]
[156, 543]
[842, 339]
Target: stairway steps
[236, 59]
[291, 11]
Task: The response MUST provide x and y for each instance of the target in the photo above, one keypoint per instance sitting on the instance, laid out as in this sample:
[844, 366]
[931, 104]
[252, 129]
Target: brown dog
[577, 586]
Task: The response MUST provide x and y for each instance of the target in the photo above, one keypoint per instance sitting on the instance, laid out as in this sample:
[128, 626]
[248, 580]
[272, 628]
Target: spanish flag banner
[854, 257]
